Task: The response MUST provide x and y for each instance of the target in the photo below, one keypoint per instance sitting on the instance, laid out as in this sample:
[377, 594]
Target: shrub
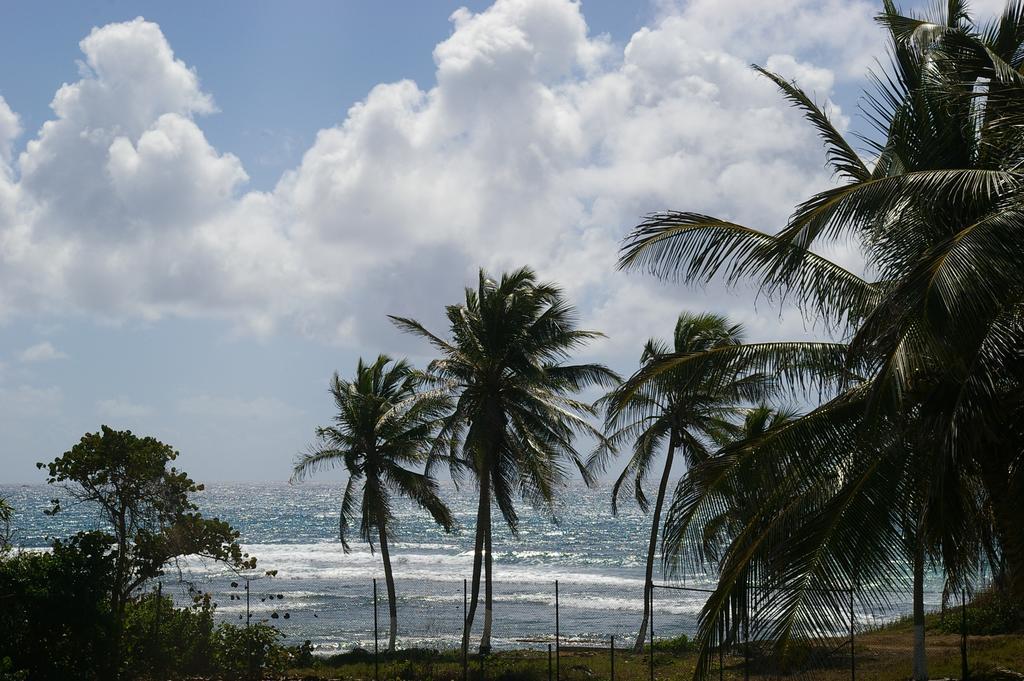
[248, 652]
[161, 639]
[989, 612]
[677, 646]
[56, 620]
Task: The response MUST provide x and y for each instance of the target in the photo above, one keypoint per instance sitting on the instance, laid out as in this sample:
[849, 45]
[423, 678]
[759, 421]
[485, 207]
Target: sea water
[324, 594]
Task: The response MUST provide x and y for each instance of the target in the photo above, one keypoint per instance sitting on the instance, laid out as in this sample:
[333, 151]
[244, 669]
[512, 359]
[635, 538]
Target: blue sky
[225, 199]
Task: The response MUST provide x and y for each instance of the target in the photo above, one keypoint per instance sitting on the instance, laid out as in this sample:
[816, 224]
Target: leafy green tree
[668, 412]
[384, 424]
[931, 434]
[514, 420]
[150, 519]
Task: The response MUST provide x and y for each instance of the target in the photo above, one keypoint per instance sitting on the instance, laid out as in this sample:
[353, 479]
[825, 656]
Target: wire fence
[562, 630]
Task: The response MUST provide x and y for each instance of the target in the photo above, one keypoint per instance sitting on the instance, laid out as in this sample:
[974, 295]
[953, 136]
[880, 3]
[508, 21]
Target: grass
[883, 655]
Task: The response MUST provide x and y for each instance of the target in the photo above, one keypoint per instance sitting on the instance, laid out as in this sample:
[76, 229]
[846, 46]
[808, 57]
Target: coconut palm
[513, 423]
[938, 216]
[665, 413]
[741, 499]
[384, 425]
[686, 398]
[702, 543]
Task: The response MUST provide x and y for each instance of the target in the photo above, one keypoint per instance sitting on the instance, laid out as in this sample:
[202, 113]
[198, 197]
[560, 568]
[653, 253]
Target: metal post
[465, 622]
[721, 647]
[613, 659]
[558, 639]
[248, 641]
[156, 626]
[549, 662]
[376, 663]
[853, 654]
[650, 626]
[746, 641]
[964, 671]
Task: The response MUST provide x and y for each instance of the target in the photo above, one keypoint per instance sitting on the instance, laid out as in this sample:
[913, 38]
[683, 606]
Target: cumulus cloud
[41, 352]
[10, 128]
[538, 144]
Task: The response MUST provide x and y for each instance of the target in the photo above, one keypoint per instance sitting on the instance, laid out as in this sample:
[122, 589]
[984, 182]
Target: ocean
[324, 595]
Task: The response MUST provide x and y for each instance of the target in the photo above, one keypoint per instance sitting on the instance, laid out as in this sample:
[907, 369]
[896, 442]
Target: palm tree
[514, 420]
[674, 412]
[703, 543]
[384, 424]
[938, 217]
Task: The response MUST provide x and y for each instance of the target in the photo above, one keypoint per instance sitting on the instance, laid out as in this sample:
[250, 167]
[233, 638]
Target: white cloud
[10, 128]
[122, 409]
[41, 352]
[539, 144]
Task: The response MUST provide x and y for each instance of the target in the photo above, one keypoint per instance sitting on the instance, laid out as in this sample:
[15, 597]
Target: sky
[208, 208]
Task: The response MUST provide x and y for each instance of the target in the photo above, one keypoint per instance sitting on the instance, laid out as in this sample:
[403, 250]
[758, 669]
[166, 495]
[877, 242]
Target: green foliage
[384, 424]
[56, 618]
[145, 504]
[148, 515]
[162, 639]
[515, 418]
[918, 453]
[680, 645]
[988, 613]
[302, 654]
[248, 652]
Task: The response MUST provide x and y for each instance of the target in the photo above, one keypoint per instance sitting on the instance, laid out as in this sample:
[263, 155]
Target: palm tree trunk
[389, 578]
[920, 660]
[485, 638]
[483, 509]
[652, 547]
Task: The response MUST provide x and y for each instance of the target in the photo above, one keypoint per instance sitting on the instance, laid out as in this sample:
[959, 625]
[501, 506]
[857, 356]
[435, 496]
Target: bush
[56, 620]
[248, 652]
[160, 639]
[679, 645]
[302, 655]
[989, 612]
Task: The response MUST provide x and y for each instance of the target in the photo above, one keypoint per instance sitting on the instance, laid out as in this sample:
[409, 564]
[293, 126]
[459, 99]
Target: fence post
[248, 640]
[558, 639]
[964, 671]
[650, 627]
[721, 648]
[853, 653]
[156, 627]
[746, 640]
[549, 662]
[613, 658]
[465, 622]
[376, 663]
